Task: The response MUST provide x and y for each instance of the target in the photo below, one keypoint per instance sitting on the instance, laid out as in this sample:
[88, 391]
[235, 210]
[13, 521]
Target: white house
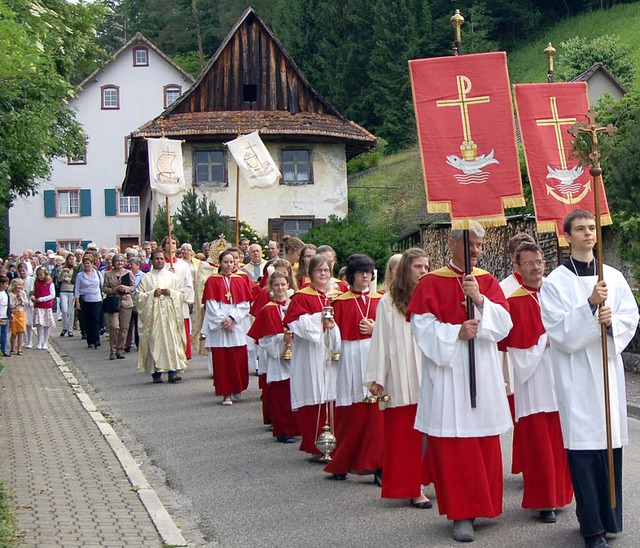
[82, 201]
[600, 81]
[252, 84]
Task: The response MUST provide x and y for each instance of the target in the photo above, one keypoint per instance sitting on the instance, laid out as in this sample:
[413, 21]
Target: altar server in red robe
[510, 284]
[316, 338]
[269, 331]
[227, 299]
[464, 451]
[263, 297]
[359, 429]
[547, 481]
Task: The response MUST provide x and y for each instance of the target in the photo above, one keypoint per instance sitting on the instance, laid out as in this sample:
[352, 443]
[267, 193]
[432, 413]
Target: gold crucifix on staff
[592, 130]
[468, 148]
[557, 124]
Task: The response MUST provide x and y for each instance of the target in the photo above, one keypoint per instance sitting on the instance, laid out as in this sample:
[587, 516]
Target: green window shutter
[49, 203]
[110, 202]
[85, 202]
[49, 245]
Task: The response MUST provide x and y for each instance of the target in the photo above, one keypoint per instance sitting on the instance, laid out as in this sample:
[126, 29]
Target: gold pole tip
[549, 51]
[456, 19]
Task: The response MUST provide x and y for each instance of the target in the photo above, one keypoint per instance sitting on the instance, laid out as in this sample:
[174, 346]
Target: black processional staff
[457, 21]
[591, 130]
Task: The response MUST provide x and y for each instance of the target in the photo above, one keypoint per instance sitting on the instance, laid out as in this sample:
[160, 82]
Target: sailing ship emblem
[164, 165]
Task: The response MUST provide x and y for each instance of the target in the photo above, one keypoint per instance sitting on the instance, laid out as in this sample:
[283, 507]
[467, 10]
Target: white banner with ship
[166, 172]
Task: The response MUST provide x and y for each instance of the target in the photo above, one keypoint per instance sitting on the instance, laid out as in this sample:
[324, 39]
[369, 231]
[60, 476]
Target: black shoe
[63, 333]
[103, 331]
[127, 349]
[157, 380]
[377, 478]
[340, 477]
[286, 439]
[70, 334]
[424, 505]
[97, 345]
[174, 378]
[596, 541]
[548, 516]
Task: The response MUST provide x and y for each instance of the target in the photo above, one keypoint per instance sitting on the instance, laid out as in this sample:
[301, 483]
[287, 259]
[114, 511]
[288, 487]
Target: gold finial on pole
[550, 52]
[591, 130]
[457, 21]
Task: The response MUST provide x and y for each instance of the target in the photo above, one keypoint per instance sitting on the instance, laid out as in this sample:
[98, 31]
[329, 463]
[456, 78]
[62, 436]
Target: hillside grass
[529, 64]
[394, 195]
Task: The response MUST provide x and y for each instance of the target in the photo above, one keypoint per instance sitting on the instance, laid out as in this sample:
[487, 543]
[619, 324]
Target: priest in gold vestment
[162, 335]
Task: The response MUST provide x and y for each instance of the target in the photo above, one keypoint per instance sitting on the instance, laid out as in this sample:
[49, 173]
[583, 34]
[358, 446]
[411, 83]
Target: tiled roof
[272, 125]
[600, 66]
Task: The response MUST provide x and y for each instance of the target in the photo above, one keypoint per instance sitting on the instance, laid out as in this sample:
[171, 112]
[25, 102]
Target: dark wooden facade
[252, 71]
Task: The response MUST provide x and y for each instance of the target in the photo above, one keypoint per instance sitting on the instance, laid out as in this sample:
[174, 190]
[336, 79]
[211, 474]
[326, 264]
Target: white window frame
[69, 200]
[71, 245]
[108, 101]
[125, 204]
[171, 88]
[138, 62]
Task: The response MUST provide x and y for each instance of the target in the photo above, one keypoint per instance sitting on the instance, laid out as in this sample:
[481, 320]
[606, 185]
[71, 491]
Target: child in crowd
[4, 314]
[18, 325]
[44, 295]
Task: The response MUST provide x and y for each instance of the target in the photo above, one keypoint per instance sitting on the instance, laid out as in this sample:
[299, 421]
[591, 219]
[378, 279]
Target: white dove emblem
[566, 177]
[471, 166]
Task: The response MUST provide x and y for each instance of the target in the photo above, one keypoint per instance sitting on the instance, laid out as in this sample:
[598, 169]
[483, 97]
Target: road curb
[162, 520]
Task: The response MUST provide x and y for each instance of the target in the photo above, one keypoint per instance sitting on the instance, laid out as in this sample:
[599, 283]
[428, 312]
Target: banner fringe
[546, 226]
[514, 201]
[606, 220]
[438, 207]
[463, 224]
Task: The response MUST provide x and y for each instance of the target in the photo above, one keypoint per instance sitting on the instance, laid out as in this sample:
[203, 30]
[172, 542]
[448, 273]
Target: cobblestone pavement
[70, 487]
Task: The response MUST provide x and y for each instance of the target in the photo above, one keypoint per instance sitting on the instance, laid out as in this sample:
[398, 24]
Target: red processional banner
[559, 184]
[467, 137]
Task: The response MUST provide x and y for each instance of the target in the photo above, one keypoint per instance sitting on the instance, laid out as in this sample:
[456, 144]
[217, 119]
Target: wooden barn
[252, 84]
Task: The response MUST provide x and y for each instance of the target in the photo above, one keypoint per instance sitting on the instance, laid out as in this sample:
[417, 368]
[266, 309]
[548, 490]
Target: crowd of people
[381, 373]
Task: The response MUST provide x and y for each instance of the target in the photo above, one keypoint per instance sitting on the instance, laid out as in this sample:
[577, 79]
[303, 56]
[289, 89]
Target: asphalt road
[221, 473]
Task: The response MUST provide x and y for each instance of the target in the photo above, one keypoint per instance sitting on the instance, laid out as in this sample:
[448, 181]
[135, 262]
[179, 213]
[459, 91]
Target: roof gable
[137, 40]
[600, 67]
[251, 70]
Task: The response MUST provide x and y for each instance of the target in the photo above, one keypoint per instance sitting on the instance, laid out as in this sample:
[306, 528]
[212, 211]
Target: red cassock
[466, 471]
[230, 371]
[545, 470]
[261, 298]
[359, 426]
[278, 396]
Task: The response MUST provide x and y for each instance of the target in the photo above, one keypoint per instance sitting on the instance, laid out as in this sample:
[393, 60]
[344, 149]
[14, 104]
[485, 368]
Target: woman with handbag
[118, 304]
[88, 294]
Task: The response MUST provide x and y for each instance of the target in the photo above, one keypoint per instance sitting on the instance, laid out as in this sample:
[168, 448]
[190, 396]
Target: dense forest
[354, 53]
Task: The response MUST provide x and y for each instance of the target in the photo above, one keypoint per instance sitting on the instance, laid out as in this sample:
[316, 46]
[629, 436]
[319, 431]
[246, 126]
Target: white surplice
[576, 352]
[394, 360]
[444, 408]
[313, 374]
